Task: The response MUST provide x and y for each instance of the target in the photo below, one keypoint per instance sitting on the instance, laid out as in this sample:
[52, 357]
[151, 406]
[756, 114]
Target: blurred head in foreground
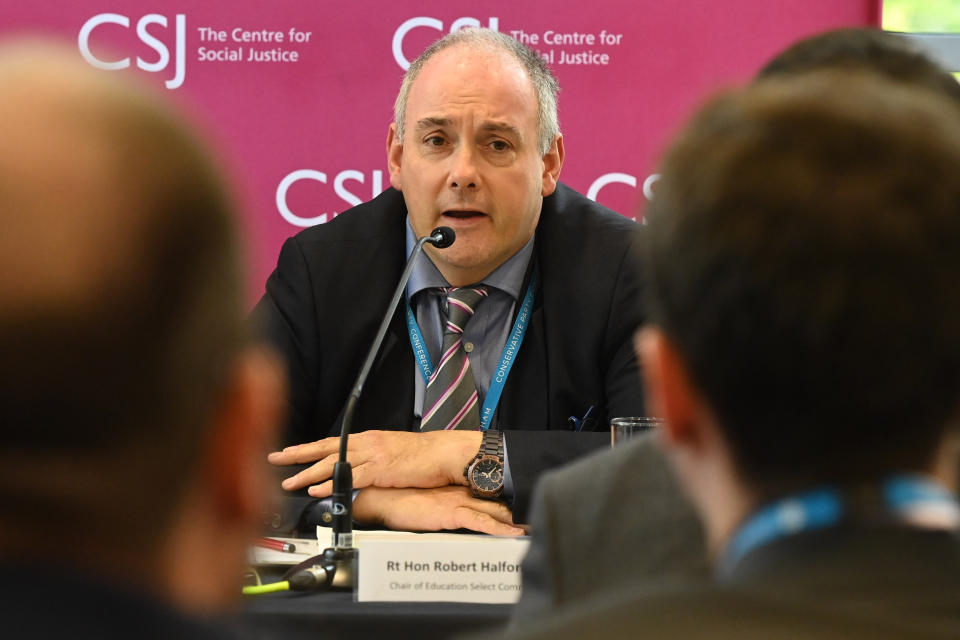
[805, 315]
[864, 49]
[133, 415]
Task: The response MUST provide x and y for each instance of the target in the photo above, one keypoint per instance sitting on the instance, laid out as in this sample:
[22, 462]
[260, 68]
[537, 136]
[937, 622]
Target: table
[335, 616]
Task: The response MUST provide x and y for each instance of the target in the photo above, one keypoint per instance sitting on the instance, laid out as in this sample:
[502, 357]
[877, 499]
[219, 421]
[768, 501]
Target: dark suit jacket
[53, 601]
[844, 582]
[603, 523]
[325, 300]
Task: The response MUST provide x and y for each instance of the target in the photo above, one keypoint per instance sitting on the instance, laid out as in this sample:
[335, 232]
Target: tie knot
[461, 302]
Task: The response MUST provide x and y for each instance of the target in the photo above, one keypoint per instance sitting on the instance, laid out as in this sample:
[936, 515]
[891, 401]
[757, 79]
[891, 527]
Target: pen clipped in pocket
[586, 423]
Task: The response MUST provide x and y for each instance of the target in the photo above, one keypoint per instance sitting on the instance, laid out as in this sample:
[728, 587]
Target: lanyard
[514, 340]
[912, 500]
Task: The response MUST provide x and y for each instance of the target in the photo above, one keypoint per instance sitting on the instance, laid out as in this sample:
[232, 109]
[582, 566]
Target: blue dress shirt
[484, 336]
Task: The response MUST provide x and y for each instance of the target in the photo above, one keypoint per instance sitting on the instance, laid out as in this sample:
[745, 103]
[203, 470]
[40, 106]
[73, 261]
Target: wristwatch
[484, 474]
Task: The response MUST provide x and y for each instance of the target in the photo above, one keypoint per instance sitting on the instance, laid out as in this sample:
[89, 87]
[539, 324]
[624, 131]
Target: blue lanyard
[909, 499]
[507, 358]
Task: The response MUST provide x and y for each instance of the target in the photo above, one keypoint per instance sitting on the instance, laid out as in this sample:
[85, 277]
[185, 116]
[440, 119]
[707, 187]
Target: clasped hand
[409, 475]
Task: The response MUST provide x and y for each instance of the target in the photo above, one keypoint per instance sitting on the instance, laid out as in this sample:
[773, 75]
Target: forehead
[488, 81]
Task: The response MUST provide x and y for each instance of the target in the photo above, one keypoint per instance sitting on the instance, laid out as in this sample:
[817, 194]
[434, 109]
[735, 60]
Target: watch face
[487, 474]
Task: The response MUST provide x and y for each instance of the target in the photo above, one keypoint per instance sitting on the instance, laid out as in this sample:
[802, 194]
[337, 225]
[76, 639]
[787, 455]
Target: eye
[499, 145]
[435, 141]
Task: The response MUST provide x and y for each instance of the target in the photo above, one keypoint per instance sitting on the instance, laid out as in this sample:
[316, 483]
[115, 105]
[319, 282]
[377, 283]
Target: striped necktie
[450, 400]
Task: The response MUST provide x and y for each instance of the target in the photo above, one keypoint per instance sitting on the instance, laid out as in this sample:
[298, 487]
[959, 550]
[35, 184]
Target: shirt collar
[508, 277]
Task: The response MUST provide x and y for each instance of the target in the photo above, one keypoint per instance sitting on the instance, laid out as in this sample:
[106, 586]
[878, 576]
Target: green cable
[273, 587]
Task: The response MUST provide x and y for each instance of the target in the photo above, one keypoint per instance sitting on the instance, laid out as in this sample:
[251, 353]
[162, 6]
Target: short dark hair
[803, 254]
[866, 49]
[105, 398]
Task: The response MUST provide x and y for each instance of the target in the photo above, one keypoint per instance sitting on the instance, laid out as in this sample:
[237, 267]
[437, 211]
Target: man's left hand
[383, 459]
[440, 509]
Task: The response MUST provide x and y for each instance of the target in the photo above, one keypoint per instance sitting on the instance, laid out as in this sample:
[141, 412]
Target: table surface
[335, 615]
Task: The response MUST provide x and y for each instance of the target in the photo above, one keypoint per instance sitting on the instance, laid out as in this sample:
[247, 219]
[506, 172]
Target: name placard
[438, 567]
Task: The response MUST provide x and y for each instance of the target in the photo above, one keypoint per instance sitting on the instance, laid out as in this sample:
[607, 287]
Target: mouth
[463, 215]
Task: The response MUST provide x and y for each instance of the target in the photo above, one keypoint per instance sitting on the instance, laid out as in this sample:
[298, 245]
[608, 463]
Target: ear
[552, 163]
[670, 392]
[246, 425]
[394, 156]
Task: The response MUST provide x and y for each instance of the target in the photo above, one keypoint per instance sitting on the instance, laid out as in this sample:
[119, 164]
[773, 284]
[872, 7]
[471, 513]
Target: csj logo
[376, 187]
[432, 23]
[622, 178]
[149, 39]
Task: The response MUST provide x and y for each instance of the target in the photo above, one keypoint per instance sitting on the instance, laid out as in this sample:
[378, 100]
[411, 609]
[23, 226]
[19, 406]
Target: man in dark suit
[475, 146]
[135, 414]
[804, 350]
[554, 573]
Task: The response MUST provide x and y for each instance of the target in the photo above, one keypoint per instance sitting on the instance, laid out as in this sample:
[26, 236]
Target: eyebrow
[502, 127]
[495, 126]
[429, 123]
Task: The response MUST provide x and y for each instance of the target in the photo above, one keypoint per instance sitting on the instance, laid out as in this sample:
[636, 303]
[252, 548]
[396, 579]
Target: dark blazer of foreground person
[325, 300]
[849, 582]
[603, 523]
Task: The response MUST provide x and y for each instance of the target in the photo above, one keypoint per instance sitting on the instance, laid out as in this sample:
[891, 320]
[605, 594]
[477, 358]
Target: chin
[463, 254]
[466, 263]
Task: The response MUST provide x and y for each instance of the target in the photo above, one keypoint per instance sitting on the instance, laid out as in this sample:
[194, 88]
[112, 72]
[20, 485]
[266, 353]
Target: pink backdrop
[302, 127]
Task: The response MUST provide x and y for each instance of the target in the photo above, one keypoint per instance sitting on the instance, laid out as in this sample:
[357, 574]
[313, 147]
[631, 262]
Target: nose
[463, 172]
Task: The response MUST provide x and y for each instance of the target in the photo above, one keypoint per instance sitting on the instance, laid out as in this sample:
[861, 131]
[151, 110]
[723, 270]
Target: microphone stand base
[341, 567]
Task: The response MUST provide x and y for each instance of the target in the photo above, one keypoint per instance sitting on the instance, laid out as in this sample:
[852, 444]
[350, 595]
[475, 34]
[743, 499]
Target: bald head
[120, 300]
[480, 42]
[71, 174]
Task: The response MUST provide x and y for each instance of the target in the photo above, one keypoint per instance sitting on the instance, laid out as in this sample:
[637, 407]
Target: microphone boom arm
[440, 237]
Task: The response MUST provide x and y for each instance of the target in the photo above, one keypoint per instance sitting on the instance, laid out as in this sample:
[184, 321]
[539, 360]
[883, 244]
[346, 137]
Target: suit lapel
[387, 400]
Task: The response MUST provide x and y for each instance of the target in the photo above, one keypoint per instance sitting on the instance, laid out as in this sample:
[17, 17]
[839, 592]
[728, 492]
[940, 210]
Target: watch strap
[491, 445]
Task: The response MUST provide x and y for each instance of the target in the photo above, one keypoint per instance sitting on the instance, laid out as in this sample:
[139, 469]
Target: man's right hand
[438, 509]
[383, 459]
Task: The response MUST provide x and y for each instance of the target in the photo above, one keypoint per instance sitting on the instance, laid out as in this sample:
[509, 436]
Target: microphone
[339, 559]
[442, 237]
